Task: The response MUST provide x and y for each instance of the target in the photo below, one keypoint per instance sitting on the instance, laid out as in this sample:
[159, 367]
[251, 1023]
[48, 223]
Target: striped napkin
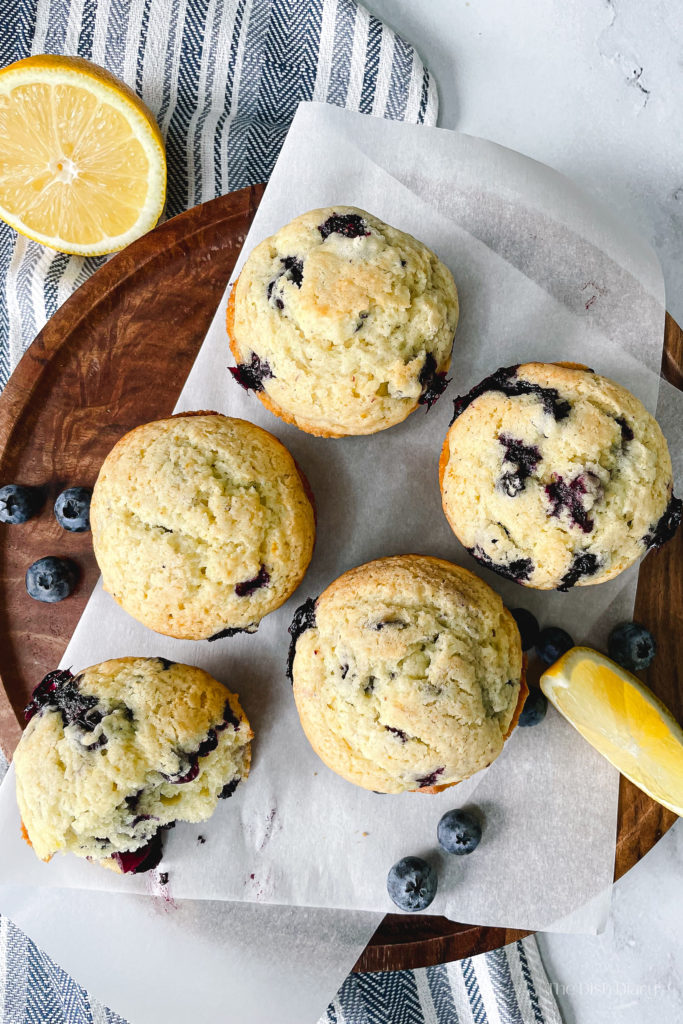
[505, 987]
[224, 78]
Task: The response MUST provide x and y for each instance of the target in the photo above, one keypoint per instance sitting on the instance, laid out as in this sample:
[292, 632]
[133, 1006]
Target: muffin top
[407, 673]
[113, 754]
[201, 524]
[555, 477]
[342, 324]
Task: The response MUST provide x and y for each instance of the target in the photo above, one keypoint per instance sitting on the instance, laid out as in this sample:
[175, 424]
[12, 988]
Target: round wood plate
[117, 354]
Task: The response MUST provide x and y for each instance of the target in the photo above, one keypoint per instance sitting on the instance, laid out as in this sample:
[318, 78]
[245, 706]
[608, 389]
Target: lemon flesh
[82, 164]
[622, 719]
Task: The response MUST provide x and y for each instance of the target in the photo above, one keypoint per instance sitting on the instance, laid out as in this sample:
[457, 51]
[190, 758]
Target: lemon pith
[622, 719]
[82, 168]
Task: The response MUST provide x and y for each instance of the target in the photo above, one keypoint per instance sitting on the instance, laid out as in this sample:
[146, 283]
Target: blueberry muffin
[202, 524]
[556, 477]
[342, 324]
[114, 755]
[408, 674]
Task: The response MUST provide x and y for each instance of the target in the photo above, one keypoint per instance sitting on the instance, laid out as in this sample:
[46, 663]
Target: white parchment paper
[542, 273]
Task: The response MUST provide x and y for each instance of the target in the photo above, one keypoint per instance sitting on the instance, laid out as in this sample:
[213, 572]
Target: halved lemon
[82, 163]
[622, 719]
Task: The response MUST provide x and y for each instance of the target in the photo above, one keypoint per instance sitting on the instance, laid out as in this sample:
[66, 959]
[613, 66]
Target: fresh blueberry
[552, 643]
[18, 503]
[535, 707]
[51, 579]
[631, 646]
[458, 832]
[528, 627]
[72, 509]
[411, 883]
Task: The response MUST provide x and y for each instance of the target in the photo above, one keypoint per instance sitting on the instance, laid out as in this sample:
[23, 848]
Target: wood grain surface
[116, 354]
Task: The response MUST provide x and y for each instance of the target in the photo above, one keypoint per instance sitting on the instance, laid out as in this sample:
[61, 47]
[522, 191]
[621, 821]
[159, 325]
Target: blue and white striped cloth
[505, 987]
[224, 78]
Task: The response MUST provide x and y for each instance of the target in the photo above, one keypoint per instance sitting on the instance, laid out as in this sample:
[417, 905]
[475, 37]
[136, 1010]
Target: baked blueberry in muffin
[556, 477]
[116, 754]
[202, 524]
[408, 674]
[342, 324]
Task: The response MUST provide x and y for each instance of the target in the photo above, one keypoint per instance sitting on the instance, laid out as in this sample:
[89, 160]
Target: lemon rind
[548, 684]
[143, 127]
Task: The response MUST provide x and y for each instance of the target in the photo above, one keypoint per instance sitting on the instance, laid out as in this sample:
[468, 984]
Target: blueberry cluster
[49, 579]
[412, 881]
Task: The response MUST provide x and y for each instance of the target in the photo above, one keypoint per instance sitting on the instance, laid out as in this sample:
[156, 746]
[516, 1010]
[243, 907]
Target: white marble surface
[593, 88]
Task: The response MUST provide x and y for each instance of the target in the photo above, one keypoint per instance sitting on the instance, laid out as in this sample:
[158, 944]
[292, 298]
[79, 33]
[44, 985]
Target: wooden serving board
[117, 354]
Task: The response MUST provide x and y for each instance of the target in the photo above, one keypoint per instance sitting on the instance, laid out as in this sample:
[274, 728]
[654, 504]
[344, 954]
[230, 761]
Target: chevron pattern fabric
[505, 987]
[509, 986]
[223, 78]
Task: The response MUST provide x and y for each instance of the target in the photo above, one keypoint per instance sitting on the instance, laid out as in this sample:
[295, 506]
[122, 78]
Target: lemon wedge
[82, 163]
[622, 719]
